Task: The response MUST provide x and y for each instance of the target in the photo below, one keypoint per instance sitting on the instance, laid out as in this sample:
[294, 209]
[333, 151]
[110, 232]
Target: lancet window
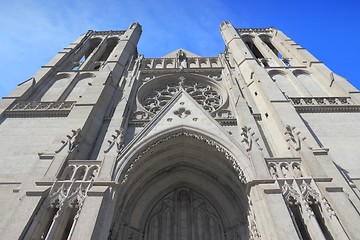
[310, 212]
[111, 44]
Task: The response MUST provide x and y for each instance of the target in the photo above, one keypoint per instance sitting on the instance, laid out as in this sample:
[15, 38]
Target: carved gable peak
[175, 53]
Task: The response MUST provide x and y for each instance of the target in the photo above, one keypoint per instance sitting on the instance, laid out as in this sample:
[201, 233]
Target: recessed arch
[265, 36]
[55, 88]
[276, 72]
[312, 85]
[111, 43]
[132, 157]
[78, 86]
[180, 159]
[284, 83]
[298, 72]
[247, 37]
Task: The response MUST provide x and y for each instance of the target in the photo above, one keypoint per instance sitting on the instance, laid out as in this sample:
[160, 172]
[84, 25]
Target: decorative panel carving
[204, 94]
[286, 168]
[324, 104]
[40, 109]
[184, 214]
[80, 170]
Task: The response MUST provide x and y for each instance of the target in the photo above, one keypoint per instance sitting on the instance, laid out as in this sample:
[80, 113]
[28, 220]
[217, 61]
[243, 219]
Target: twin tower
[259, 142]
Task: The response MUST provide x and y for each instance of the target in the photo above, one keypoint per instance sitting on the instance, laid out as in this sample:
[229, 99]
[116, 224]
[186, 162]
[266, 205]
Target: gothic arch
[111, 43]
[54, 88]
[132, 155]
[283, 82]
[312, 85]
[78, 86]
[181, 159]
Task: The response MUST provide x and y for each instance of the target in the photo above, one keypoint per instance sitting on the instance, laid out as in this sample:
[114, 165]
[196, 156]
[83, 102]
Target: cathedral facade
[259, 142]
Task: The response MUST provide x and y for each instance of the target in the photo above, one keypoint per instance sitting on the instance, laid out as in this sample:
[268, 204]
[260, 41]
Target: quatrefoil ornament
[182, 113]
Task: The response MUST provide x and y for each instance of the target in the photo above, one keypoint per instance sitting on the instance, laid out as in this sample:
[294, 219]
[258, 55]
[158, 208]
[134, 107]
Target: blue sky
[33, 31]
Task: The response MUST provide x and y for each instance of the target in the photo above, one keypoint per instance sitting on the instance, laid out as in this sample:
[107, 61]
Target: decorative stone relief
[182, 112]
[290, 194]
[303, 193]
[181, 61]
[117, 139]
[322, 101]
[225, 117]
[80, 170]
[72, 194]
[41, 109]
[72, 141]
[292, 138]
[285, 168]
[184, 213]
[210, 142]
[328, 208]
[324, 104]
[204, 95]
[248, 138]
[253, 231]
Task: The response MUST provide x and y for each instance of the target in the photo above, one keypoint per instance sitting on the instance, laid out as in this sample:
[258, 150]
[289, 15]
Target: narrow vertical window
[256, 52]
[315, 207]
[299, 221]
[82, 56]
[70, 223]
[111, 44]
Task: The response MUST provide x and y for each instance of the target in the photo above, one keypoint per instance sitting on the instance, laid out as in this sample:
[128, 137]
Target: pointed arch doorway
[181, 188]
[184, 214]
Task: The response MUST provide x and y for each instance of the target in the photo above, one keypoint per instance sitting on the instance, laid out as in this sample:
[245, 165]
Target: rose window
[203, 93]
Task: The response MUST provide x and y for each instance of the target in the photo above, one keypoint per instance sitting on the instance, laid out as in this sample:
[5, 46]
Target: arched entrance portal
[184, 214]
[180, 188]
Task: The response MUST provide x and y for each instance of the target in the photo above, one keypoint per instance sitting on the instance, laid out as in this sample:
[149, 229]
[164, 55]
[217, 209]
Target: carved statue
[182, 59]
[74, 140]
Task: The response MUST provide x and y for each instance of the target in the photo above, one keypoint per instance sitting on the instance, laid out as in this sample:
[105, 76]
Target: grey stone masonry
[259, 142]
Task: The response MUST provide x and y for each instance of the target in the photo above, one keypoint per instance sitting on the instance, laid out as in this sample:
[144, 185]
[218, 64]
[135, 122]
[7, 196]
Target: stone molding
[106, 33]
[324, 104]
[218, 147]
[287, 168]
[255, 30]
[39, 109]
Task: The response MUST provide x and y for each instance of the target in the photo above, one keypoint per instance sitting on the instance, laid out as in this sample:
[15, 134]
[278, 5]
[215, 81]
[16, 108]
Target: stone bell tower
[258, 142]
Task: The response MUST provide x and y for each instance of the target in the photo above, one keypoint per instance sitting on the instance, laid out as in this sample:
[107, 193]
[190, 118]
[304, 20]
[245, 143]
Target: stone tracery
[203, 93]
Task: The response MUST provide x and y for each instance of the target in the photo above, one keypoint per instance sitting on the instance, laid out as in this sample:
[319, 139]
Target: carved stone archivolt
[206, 140]
[253, 231]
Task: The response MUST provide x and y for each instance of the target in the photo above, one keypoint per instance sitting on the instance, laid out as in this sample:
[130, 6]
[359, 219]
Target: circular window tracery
[204, 93]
